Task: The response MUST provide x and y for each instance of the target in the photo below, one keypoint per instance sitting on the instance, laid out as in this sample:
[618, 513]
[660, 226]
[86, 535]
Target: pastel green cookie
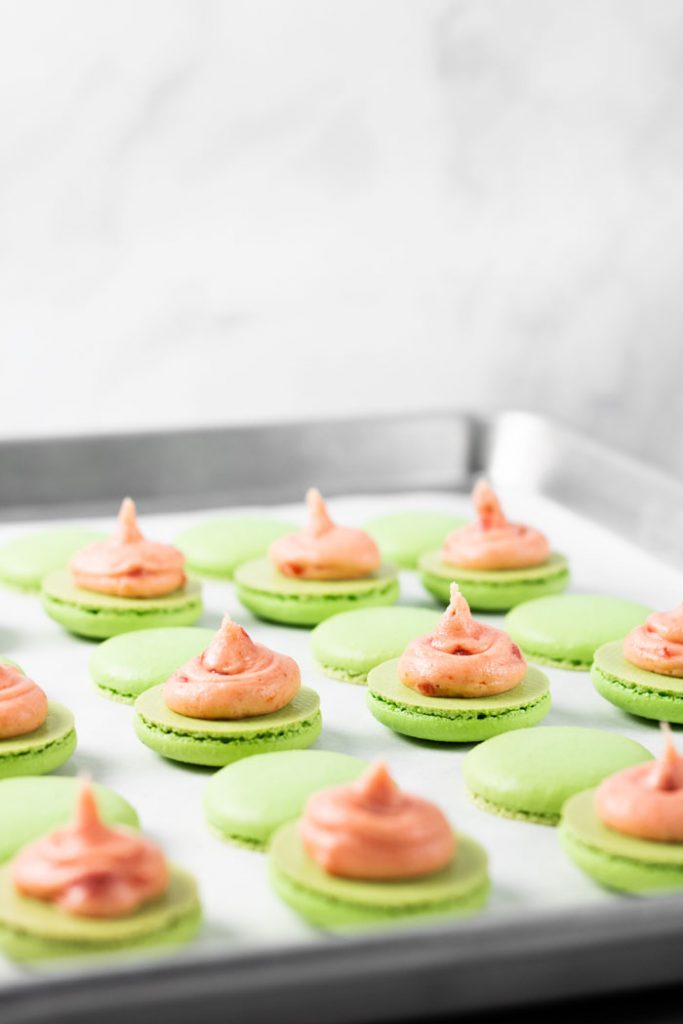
[31, 806]
[633, 689]
[215, 548]
[247, 801]
[455, 719]
[99, 616]
[349, 645]
[493, 590]
[31, 929]
[42, 750]
[403, 536]
[529, 774]
[613, 859]
[566, 631]
[125, 666]
[216, 743]
[270, 594]
[25, 561]
[338, 903]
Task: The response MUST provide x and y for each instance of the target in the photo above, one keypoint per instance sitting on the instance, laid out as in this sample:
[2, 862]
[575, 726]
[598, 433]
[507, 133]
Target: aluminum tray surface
[530, 873]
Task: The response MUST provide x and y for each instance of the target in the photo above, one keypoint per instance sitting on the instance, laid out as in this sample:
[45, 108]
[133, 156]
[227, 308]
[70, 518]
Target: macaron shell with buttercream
[455, 719]
[635, 690]
[25, 561]
[220, 742]
[100, 616]
[493, 590]
[271, 595]
[613, 859]
[44, 749]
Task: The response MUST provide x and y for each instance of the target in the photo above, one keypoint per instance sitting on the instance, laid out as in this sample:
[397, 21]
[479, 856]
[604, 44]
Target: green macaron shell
[31, 929]
[530, 774]
[403, 536]
[455, 719]
[99, 616]
[271, 595]
[220, 742]
[125, 666]
[25, 561]
[337, 903]
[614, 859]
[493, 590]
[349, 645]
[42, 750]
[633, 689]
[215, 548]
[247, 801]
[31, 806]
[566, 631]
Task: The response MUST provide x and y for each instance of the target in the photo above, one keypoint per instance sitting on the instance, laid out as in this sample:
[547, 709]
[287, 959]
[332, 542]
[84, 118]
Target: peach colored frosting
[23, 705]
[372, 830]
[646, 800]
[657, 645]
[324, 551]
[90, 870]
[128, 565]
[234, 678]
[462, 658]
[492, 542]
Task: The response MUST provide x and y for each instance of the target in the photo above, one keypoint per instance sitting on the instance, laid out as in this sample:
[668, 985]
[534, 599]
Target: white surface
[527, 866]
[343, 206]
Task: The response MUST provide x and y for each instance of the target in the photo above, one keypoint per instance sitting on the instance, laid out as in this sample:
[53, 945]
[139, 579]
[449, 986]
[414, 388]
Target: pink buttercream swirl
[324, 551]
[234, 678]
[90, 870]
[462, 657]
[657, 645]
[646, 800]
[372, 830]
[23, 705]
[492, 542]
[127, 564]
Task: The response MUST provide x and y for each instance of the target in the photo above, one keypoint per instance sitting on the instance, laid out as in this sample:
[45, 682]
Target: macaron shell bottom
[493, 590]
[217, 743]
[32, 930]
[42, 750]
[277, 598]
[100, 616]
[617, 861]
[455, 720]
[635, 690]
[341, 903]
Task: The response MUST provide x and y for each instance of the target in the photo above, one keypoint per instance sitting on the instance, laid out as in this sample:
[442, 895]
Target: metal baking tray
[549, 932]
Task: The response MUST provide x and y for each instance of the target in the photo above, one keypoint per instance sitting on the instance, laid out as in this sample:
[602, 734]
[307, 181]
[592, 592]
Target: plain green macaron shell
[32, 929]
[271, 595]
[616, 860]
[125, 666]
[339, 903]
[455, 719]
[349, 645]
[248, 801]
[42, 750]
[100, 616]
[215, 548]
[403, 536]
[32, 806]
[493, 590]
[220, 742]
[530, 774]
[24, 562]
[566, 631]
[633, 689]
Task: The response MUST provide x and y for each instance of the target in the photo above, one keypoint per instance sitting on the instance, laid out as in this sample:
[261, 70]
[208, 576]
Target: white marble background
[254, 209]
